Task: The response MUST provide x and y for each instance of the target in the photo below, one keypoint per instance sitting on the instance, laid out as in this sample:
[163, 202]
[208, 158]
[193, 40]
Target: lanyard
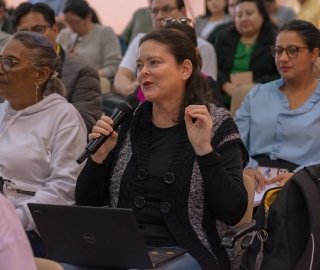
[9, 183]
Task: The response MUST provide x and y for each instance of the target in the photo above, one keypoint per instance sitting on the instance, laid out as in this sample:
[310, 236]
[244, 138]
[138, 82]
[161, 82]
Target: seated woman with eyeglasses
[40, 132]
[279, 121]
[177, 162]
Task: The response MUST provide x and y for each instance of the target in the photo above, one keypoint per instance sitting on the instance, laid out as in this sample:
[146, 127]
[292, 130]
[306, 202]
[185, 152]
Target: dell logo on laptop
[89, 237]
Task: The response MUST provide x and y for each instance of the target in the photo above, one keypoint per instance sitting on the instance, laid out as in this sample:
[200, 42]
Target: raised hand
[199, 127]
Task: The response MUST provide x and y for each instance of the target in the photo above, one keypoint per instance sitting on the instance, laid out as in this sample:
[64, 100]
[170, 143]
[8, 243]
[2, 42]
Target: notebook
[97, 236]
[268, 173]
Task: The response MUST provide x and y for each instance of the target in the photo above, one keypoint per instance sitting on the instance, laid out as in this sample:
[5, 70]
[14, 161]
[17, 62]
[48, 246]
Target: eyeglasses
[166, 10]
[182, 20]
[40, 29]
[6, 64]
[292, 51]
[73, 22]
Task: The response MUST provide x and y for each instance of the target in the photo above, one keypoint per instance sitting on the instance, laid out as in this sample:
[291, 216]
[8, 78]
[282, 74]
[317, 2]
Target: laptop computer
[97, 236]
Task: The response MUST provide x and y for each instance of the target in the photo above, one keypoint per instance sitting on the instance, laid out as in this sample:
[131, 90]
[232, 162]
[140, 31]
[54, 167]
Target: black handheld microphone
[121, 112]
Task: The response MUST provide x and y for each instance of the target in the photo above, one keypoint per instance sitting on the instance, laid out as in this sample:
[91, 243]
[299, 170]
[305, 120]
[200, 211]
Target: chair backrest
[45, 264]
[248, 183]
[229, 239]
[106, 86]
[237, 97]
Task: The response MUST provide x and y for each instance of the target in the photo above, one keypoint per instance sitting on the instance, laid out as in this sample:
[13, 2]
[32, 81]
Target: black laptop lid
[91, 235]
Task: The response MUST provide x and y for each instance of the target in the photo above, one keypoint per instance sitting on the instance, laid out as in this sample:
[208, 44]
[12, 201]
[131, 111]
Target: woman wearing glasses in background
[89, 40]
[279, 121]
[40, 132]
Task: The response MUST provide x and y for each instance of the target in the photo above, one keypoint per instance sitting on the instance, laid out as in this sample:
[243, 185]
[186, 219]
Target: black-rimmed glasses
[166, 10]
[292, 51]
[182, 20]
[6, 64]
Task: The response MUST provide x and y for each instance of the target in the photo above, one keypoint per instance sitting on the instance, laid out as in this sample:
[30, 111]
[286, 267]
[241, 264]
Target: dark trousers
[37, 244]
[264, 160]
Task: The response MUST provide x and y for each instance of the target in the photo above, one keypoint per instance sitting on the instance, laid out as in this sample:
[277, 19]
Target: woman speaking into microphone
[177, 161]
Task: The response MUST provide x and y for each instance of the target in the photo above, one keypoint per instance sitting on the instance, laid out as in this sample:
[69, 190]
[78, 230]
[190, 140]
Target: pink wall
[117, 13]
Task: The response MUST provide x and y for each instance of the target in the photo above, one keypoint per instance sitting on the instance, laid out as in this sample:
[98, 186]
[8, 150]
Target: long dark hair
[179, 45]
[77, 7]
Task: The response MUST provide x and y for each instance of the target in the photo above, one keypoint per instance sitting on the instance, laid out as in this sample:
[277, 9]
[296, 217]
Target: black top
[203, 189]
[150, 218]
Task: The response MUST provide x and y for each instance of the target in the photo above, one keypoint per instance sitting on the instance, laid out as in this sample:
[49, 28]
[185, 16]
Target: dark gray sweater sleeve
[92, 187]
[223, 181]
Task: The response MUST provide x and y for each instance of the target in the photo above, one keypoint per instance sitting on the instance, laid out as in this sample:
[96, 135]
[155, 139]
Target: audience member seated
[140, 23]
[4, 38]
[41, 133]
[215, 15]
[15, 250]
[56, 5]
[176, 163]
[180, 25]
[125, 81]
[80, 79]
[222, 27]
[279, 14]
[307, 10]
[5, 22]
[279, 121]
[243, 51]
[95, 43]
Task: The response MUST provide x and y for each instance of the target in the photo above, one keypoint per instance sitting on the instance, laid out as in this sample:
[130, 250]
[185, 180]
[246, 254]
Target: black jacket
[262, 63]
[82, 83]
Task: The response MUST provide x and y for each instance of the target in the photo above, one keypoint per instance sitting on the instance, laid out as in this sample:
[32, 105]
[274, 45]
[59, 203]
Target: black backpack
[288, 225]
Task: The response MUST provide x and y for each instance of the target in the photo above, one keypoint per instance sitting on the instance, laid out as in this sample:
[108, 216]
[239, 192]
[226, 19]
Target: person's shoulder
[61, 109]
[138, 37]
[202, 43]
[4, 36]
[74, 63]
[65, 32]
[135, 42]
[286, 9]
[261, 90]
[219, 114]
[103, 29]
[134, 46]
[201, 19]
[228, 33]
[141, 12]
